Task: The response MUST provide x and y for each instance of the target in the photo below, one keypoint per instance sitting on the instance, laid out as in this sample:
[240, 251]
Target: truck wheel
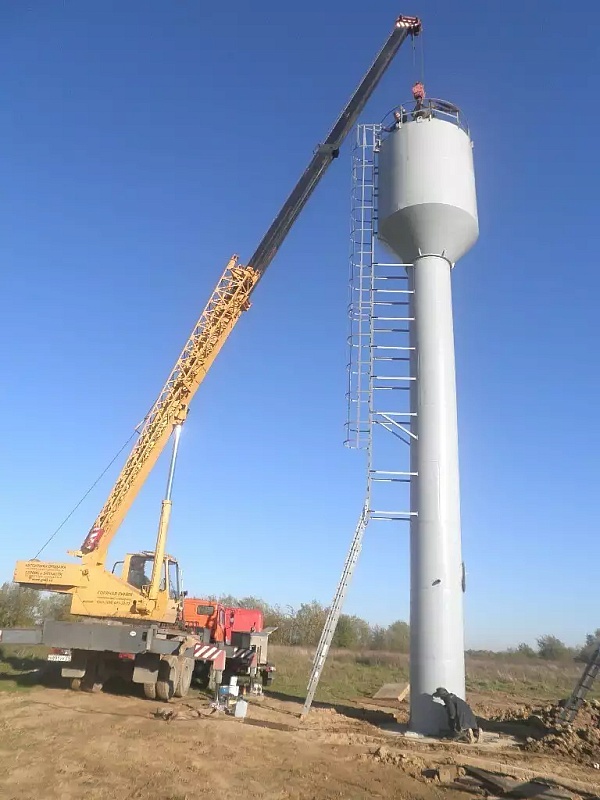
[186, 670]
[93, 680]
[150, 691]
[168, 678]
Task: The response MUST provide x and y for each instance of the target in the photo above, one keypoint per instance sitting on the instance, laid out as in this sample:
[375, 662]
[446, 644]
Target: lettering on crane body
[48, 573]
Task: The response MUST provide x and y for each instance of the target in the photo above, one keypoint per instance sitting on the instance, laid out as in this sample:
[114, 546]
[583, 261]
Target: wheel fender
[145, 669]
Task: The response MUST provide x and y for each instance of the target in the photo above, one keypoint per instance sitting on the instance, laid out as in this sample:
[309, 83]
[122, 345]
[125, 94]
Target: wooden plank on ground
[392, 691]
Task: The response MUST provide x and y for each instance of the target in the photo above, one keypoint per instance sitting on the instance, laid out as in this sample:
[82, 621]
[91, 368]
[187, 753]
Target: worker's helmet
[440, 692]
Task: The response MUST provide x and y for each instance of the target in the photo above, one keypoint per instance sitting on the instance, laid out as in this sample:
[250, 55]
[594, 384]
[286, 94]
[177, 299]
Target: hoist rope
[91, 488]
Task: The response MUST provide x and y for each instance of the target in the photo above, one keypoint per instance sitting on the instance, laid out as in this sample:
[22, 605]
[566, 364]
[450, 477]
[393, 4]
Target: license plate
[59, 657]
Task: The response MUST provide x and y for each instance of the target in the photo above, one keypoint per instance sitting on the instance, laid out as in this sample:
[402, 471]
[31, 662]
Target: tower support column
[436, 605]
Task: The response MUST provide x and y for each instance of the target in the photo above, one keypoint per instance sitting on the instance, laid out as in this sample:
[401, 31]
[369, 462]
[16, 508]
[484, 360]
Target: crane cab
[136, 570]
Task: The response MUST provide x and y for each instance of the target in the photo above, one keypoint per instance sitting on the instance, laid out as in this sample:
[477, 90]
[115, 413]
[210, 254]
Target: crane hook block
[413, 24]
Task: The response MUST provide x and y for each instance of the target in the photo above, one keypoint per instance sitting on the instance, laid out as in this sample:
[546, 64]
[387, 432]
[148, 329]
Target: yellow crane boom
[229, 299]
[227, 303]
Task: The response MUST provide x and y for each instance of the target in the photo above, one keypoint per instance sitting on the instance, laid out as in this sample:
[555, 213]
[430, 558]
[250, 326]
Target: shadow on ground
[372, 716]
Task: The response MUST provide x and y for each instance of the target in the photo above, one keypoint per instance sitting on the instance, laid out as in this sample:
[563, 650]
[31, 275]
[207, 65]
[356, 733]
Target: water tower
[427, 215]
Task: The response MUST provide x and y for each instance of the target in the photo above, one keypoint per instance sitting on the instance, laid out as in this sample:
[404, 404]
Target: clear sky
[142, 143]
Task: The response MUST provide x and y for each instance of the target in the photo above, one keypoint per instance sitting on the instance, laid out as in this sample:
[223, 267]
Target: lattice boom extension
[228, 301]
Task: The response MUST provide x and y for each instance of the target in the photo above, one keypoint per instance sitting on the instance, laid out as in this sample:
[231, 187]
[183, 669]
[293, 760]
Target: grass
[18, 665]
[348, 675]
[351, 675]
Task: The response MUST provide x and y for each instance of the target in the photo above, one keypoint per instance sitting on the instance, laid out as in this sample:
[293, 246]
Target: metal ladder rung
[394, 378]
[390, 472]
[398, 413]
[393, 319]
[390, 347]
[391, 358]
[390, 480]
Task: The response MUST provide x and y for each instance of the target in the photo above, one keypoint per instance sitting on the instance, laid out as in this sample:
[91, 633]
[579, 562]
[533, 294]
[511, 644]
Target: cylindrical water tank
[427, 203]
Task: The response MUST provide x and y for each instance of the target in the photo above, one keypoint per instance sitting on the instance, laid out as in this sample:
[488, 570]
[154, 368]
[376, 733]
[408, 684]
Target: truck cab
[222, 621]
[199, 615]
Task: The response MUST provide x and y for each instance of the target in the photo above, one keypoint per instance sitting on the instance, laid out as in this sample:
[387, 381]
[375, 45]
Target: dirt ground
[55, 743]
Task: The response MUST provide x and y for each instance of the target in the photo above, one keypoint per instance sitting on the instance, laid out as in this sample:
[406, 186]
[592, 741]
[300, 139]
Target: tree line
[303, 626]
[21, 608]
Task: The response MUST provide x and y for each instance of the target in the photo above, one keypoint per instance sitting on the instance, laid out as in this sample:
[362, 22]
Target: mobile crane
[133, 622]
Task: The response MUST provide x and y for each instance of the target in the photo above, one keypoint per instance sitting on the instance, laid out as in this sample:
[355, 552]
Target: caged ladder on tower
[584, 685]
[379, 377]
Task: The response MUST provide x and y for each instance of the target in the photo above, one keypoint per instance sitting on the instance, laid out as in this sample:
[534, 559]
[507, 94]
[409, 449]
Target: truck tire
[95, 675]
[168, 678]
[186, 670]
[150, 691]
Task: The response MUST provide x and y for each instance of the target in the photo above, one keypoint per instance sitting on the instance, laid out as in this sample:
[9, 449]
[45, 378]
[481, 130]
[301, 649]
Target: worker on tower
[419, 111]
[398, 120]
[461, 719]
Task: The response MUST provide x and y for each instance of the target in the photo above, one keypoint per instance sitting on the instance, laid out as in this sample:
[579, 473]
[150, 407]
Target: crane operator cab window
[174, 588]
[140, 570]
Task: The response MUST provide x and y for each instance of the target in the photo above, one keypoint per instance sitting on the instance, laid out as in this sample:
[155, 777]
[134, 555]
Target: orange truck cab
[220, 620]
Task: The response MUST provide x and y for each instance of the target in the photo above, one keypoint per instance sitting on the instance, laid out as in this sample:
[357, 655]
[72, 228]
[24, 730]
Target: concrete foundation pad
[486, 738]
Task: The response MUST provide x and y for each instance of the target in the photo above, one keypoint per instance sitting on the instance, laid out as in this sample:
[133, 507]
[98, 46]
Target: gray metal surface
[145, 668]
[427, 202]
[21, 636]
[165, 646]
[121, 638]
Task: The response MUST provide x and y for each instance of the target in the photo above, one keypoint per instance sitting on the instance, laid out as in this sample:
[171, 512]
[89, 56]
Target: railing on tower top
[431, 108]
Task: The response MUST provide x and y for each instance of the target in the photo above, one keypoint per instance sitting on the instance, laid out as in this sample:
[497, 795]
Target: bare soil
[55, 743]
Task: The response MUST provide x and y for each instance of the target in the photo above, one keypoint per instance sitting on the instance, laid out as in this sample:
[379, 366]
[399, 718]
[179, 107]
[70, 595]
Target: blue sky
[144, 142]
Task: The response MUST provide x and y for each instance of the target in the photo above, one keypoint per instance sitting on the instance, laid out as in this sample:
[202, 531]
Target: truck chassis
[164, 659]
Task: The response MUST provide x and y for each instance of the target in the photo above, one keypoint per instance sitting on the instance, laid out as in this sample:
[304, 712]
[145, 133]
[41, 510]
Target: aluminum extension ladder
[335, 610]
[584, 685]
